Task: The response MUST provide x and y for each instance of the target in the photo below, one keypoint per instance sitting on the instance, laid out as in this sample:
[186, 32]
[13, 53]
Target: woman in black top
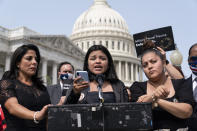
[172, 99]
[23, 96]
[99, 65]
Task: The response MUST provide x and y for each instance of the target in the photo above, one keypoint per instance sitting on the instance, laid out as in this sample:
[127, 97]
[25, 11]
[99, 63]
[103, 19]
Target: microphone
[100, 80]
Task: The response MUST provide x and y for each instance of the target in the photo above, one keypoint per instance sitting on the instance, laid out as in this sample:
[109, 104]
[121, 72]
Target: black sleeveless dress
[31, 97]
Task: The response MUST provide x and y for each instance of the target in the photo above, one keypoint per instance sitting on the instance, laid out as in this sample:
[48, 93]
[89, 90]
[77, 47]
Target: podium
[93, 117]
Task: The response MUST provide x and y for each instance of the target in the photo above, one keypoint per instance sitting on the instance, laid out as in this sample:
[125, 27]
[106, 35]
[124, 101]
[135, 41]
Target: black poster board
[162, 37]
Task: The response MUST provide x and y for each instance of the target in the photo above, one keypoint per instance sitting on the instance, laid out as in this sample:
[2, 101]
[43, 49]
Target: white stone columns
[136, 72]
[119, 69]
[44, 70]
[116, 45]
[121, 46]
[131, 49]
[129, 46]
[141, 73]
[91, 43]
[109, 45]
[126, 71]
[85, 46]
[80, 45]
[132, 73]
[54, 73]
[7, 62]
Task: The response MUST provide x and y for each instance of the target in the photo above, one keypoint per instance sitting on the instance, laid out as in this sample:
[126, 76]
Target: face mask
[66, 76]
[193, 66]
[193, 58]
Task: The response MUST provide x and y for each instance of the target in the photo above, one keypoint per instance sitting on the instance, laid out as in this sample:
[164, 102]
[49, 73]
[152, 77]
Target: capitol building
[100, 24]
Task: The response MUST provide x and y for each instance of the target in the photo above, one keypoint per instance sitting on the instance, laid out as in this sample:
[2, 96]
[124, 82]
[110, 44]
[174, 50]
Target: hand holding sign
[162, 37]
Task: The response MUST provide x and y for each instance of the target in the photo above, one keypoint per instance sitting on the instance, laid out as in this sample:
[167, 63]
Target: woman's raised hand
[79, 85]
[162, 52]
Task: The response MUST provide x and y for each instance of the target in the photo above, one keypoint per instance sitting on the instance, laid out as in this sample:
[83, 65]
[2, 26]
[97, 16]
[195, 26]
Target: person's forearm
[173, 72]
[180, 110]
[62, 100]
[19, 111]
[147, 99]
[72, 98]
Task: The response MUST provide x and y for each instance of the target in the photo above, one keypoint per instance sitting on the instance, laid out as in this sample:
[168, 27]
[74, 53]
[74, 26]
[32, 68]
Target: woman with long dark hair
[23, 96]
[99, 65]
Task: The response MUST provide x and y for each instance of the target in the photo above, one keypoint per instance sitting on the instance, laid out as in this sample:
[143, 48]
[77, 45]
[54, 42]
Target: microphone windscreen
[100, 79]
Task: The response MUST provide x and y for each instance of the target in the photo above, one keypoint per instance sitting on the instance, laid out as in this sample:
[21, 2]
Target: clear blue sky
[58, 17]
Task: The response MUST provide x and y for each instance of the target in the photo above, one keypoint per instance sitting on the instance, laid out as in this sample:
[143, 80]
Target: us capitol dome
[100, 24]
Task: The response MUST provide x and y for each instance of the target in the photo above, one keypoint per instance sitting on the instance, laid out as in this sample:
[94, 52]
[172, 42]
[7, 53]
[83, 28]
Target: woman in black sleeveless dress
[23, 96]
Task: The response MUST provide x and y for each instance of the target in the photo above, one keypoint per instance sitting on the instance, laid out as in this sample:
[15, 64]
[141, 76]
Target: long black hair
[16, 58]
[110, 74]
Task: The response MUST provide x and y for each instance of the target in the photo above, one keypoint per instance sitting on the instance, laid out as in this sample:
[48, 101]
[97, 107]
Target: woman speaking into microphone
[104, 85]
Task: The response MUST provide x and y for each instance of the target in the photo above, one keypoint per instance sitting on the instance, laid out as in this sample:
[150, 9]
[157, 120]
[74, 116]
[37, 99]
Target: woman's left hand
[62, 100]
[79, 85]
[42, 113]
[145, 98]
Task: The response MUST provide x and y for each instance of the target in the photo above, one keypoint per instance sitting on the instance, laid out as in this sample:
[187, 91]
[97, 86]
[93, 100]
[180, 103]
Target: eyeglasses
[193, 58]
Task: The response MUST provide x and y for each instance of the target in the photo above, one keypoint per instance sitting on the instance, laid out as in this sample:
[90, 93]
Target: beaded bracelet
[155, 104]
[35, 121]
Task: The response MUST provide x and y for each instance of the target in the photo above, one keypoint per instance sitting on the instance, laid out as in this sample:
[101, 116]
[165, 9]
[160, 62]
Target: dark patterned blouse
[31, 97]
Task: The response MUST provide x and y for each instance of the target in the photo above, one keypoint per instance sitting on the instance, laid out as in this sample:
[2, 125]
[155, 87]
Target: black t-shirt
[92, 97]
[161, 118]
[30, 97]
[118, 95]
